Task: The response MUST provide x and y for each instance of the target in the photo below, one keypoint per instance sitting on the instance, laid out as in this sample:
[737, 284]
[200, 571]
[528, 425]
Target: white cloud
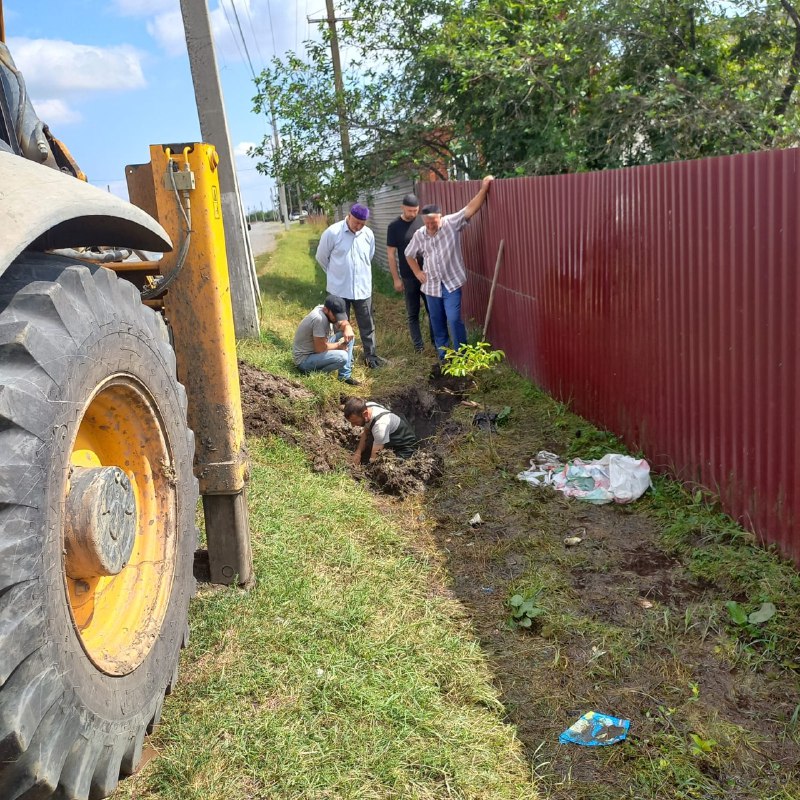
[167, 30]
[53, 67]
[56, 112]
[243, 148]
[143, 8]
[286, 26]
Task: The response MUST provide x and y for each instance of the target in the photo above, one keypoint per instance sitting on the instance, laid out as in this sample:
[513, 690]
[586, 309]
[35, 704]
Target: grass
[340, 675]
[373, 658]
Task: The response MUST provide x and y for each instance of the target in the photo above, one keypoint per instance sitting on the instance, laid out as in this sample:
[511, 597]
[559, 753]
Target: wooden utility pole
[214, 130]
[338, 83]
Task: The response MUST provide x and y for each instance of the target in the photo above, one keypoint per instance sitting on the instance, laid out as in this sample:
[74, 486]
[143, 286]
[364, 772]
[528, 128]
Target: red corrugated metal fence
[661, 302]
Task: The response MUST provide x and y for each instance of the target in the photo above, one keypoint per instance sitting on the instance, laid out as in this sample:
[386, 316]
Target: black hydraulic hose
[163, 285]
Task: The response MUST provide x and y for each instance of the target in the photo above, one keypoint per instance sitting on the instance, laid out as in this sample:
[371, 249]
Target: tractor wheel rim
[119, 616]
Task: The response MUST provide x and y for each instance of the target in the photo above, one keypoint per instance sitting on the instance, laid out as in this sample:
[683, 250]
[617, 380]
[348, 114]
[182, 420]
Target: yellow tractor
[108, 362]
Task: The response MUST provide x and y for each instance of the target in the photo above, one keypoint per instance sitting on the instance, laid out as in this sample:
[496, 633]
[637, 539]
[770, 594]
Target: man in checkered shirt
[439, 244]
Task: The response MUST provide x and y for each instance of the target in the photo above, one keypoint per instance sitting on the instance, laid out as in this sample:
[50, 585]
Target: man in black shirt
[398, 236]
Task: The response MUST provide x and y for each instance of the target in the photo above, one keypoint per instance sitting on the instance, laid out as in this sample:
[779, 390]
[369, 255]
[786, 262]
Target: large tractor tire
[97, 534]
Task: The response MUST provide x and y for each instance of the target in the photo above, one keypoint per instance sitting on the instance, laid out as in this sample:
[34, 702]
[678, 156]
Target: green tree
[520, 88]
[392, 126]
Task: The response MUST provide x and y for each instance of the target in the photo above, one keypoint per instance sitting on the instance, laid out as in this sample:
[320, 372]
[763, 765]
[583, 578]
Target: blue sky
[111, 77]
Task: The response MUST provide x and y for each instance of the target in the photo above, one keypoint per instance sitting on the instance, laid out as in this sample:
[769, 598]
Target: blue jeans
[330, 360]
[445, 311]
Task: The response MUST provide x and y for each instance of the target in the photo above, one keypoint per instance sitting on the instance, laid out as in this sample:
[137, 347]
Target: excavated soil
[277, 406]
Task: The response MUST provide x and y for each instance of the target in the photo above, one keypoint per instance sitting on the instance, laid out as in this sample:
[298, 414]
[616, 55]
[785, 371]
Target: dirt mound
[277, 406]
[391, 475]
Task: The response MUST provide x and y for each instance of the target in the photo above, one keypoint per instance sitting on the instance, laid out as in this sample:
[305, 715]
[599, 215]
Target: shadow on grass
[294, 289]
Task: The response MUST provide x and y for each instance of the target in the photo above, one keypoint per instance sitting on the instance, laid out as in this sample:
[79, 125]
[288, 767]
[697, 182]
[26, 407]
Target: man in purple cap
[439, 243]
[345, 254]
[398, 237]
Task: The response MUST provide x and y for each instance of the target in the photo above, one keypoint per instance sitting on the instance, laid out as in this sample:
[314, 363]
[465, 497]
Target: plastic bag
[614, 478]
[594, 729]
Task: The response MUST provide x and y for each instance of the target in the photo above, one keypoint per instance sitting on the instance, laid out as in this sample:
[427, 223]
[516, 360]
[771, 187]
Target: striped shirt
[444, 263]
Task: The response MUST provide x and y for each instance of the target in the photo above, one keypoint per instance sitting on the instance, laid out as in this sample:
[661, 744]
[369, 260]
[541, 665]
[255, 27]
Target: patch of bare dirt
[277, 406]
[631, 637]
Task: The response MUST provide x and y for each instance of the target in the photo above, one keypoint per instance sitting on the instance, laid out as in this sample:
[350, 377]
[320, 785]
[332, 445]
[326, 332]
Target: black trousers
[366, 324]
[412, 291]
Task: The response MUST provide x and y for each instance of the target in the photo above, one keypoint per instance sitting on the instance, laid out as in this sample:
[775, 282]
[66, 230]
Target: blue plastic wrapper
[594, 729]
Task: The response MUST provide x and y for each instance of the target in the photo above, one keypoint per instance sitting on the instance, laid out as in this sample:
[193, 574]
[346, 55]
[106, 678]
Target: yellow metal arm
[180, 187]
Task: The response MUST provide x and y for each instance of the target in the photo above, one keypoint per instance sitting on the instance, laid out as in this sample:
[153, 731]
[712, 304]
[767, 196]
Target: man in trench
[388, 430]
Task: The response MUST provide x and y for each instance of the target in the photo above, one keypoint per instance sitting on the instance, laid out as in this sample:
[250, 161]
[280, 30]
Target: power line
[272, 28]
[233, 35]
[253, 34]
[244, 43]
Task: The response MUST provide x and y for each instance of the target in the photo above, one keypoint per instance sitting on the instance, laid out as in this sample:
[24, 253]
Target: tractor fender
[43, 209]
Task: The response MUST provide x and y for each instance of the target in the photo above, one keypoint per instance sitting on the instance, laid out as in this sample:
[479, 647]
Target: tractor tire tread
[49, 748]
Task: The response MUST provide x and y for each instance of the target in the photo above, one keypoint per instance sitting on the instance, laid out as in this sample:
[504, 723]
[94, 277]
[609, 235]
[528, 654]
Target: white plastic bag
[614, 478]
[629, 477]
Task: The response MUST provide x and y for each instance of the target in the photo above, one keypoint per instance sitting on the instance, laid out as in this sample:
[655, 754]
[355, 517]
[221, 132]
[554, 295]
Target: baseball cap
[336, 306]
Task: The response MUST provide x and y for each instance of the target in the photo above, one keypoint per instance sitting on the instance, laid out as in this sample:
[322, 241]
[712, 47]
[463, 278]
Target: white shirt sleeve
[324, 249]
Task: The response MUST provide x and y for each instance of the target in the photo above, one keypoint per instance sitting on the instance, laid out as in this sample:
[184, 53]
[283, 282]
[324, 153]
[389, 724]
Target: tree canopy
[530, 88]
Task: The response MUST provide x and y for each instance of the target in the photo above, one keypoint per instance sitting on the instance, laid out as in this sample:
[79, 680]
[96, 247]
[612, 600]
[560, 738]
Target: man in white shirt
[345, 254]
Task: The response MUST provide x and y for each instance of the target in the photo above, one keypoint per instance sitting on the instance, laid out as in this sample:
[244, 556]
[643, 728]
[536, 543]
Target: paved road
[262, 236]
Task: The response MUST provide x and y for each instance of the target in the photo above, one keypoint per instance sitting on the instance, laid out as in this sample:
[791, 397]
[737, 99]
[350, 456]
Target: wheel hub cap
[101, 522]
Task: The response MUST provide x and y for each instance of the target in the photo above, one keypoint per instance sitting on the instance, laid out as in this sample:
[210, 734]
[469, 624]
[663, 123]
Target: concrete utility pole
[281, 190]
[331, 19]
[214, 130]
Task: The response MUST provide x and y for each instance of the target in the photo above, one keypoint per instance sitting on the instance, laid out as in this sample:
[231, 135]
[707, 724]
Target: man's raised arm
[474, 205]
